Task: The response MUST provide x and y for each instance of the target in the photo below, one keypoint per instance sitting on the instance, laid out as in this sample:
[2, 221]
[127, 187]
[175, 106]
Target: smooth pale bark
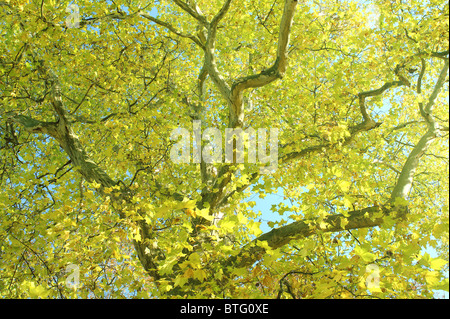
[275, 72]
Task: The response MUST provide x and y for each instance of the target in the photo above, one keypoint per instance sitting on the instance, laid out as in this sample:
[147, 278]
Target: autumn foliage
[92, 206]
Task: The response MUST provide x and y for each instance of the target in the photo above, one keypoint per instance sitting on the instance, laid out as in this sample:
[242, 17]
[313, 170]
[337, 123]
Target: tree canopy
[93, 206]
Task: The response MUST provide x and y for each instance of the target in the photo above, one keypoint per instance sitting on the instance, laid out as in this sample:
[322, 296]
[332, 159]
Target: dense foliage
[93, 206]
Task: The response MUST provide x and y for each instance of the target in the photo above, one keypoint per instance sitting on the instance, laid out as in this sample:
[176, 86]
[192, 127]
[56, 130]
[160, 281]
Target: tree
[359, 95]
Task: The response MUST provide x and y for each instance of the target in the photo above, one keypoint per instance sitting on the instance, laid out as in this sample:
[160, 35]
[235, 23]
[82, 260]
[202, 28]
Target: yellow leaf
[205, 214]
[188, 204]
[344, 186]
[438, 263]
[189, 273]
[195, 260]
[137, 235]
[241, 218]
[35, 291]
[432, 278]
[348, 203]
[374, 289]
[323, 225]
[254, 228]
[219, 274]
[344, 222]
[190, 213]
[95, 185]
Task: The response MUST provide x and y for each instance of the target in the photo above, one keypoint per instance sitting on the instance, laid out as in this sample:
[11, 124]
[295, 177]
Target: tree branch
[222, 12]
[278, 237]
[368, 217]
[363, 95]
[210, 60]
[173, 29]
[32, 125]
[63, 133]
[367, 124]
[193, 11]
[405, 180]
[234, 95]
[276, 71]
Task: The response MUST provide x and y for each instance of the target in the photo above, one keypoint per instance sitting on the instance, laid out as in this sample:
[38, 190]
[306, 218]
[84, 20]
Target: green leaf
[200, 274]
[180, 281]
